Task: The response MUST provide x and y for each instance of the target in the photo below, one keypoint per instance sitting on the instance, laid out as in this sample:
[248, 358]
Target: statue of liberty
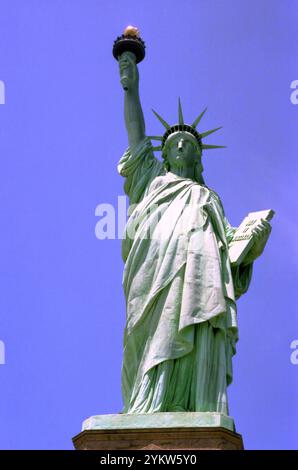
[179, 283]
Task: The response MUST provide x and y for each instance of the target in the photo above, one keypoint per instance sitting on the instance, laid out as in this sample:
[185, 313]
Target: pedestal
[159, 431]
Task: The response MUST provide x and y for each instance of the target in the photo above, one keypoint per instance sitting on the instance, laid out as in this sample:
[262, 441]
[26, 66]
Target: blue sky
[62, 132]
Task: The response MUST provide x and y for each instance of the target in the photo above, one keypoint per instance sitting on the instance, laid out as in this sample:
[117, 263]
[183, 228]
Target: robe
[180, 291]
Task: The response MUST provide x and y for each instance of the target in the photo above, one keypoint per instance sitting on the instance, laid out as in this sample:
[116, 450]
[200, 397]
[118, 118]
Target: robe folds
[180, 290]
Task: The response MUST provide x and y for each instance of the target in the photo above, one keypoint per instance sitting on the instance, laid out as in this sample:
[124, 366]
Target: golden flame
[131, 31]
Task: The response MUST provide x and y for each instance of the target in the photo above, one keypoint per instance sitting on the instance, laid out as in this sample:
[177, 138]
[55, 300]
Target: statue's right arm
[134, 118]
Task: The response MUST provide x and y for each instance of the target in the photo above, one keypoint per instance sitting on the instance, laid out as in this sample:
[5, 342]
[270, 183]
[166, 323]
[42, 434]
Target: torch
[130, 41]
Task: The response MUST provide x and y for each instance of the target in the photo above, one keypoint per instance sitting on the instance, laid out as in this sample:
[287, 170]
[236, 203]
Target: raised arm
[134, 118]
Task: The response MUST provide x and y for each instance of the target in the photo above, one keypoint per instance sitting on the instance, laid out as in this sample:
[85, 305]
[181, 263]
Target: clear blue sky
[62, 132]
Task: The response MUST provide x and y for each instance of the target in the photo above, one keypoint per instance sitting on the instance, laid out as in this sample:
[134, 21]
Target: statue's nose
[180, 144]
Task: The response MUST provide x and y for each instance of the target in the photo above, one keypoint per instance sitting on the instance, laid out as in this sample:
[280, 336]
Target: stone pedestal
[159, 431]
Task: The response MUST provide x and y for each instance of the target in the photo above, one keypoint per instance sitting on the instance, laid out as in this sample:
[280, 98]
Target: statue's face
[182, 150]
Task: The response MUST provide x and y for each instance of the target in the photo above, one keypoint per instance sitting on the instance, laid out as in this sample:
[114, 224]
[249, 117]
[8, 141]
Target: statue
[180, 285]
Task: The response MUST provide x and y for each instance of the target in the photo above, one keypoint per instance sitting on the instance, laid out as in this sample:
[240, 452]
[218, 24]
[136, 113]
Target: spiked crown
[182, 127]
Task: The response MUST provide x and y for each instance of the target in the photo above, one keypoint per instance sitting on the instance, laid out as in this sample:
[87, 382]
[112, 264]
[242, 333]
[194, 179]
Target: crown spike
[204, 134]
[196, 122]
[180, 114]
[164, 123]
[206, 146]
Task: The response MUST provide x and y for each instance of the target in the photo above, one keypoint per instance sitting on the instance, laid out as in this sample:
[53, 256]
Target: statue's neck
[184, 172]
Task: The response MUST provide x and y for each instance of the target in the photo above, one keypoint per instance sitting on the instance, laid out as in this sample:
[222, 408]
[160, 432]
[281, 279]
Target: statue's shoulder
[157, 181]
[215, 198]
[213, 194]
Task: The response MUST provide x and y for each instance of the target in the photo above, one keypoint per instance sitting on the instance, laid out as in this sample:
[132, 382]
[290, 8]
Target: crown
[182, 127]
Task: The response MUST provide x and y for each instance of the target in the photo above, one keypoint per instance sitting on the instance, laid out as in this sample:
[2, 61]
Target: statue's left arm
[242, 272]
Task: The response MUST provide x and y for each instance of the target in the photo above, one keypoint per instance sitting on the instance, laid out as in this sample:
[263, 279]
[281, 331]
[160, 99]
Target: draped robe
[180, 290]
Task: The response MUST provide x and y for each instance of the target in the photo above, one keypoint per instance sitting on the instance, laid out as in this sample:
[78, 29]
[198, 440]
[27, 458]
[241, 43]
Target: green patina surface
[158, 420]
[180, 287]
